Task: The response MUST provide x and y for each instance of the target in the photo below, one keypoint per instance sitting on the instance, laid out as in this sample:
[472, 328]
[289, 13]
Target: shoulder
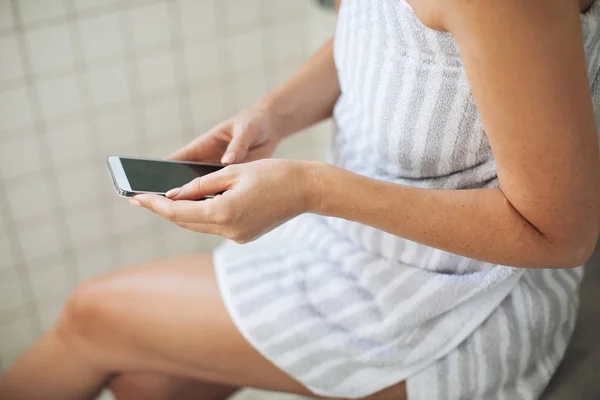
[430, 12]
[435, 13]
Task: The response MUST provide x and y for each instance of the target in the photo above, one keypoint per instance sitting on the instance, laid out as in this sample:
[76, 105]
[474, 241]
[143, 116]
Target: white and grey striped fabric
[349, 310]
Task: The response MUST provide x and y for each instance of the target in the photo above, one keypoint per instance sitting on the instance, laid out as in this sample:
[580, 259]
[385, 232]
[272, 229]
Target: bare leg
[165, 319]
[156, 386]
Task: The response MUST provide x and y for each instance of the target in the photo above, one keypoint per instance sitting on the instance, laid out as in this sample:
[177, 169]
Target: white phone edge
[118, 176]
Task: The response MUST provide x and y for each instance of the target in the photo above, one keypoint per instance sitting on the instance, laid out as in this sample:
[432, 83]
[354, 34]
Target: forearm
[480, 224]
[308, 97]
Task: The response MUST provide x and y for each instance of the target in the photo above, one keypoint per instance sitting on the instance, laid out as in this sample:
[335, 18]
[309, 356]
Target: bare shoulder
[429, 12]
[432, 12]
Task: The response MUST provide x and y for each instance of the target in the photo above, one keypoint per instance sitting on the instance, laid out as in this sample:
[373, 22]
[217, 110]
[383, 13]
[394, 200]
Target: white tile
[301, 147]
[249, 89]
[204, 62]
[10, 66]
[162, 118]
[87, 4]
[15, 337]
[59, 97]
[6, 18]
[68, 141]
[126, 219]
[50, 310]
[161, 146]
[86, 224]
[49, 280]
[78, 182]
[11, 294]
[94, 262]
[108, 84]
[50, 48]
[242, 14]
[245, 52]
[285, 42]
[101, 36]
[209, 107]
[182, 241]
[40, 239]
[138, 248]
[7, 258]
[15, 109]
[198, 18]
[20, 154]
[35, 10]
[151, 25]
[281, 74]
[157, 72]
[116, 133]
[321, 27]
[277, 9]
[29, 197]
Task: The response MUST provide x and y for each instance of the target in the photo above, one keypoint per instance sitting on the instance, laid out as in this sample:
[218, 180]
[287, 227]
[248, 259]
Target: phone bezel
[121, 182]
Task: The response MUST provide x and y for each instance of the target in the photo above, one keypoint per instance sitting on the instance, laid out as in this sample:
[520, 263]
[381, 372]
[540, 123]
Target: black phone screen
[162, 176]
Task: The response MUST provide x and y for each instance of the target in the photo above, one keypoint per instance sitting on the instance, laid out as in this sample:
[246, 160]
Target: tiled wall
[81, 79]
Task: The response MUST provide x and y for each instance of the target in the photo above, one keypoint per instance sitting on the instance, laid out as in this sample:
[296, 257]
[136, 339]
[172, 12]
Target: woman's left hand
[258, 196]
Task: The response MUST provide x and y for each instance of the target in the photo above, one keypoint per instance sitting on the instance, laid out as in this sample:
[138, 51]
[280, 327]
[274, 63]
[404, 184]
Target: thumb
[238, 147]
[213, 183]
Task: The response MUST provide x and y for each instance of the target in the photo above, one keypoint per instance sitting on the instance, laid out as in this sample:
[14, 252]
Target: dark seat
[578, 377]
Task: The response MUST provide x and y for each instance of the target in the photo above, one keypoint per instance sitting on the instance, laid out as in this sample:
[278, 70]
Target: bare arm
[526, 66]
[308, 97]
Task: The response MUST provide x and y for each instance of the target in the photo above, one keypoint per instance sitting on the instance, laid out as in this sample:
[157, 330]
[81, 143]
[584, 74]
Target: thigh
[168, 317]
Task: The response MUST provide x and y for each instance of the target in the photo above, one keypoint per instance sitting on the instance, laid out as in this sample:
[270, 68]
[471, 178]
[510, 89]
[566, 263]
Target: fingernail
[173, 192]
[228, 158]
[135, 203]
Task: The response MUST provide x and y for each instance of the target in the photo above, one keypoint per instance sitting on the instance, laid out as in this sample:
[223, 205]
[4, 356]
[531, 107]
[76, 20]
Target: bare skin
[159, 331]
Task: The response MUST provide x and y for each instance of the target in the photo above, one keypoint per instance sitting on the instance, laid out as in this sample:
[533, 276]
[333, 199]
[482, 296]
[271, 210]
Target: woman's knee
[86, 314]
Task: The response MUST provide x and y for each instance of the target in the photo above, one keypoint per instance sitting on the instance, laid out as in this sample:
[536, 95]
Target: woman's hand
[258, 196]
[249, 136]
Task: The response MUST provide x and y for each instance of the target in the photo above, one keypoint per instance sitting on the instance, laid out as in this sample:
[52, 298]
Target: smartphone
[133, 176]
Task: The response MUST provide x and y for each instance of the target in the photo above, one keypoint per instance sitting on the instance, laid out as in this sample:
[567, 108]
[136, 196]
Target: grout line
[64, 19]
[137, 104]
[90, 121]
[23, 311]
[223, 34]
[22, 273]
[116, 6]
[49, 172]
[158, 95]
[182, 73]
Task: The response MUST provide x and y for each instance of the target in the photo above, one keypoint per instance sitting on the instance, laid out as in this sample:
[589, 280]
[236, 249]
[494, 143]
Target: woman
[432, 259]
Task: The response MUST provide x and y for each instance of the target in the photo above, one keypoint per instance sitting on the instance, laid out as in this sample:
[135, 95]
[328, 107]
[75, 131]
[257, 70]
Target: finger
[238, 147]
[201, 228]
[203, 186]
[175, 211]
[198, 149]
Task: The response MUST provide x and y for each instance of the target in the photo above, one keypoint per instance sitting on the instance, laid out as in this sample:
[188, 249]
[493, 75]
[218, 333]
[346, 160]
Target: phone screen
[162, 176]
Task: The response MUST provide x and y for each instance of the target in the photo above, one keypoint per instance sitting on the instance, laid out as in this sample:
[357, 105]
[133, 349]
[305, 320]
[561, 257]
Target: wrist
[278, 116]
[317, 186]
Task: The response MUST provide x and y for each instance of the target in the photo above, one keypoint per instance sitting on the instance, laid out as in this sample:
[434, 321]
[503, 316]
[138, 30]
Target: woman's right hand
[249, 136]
